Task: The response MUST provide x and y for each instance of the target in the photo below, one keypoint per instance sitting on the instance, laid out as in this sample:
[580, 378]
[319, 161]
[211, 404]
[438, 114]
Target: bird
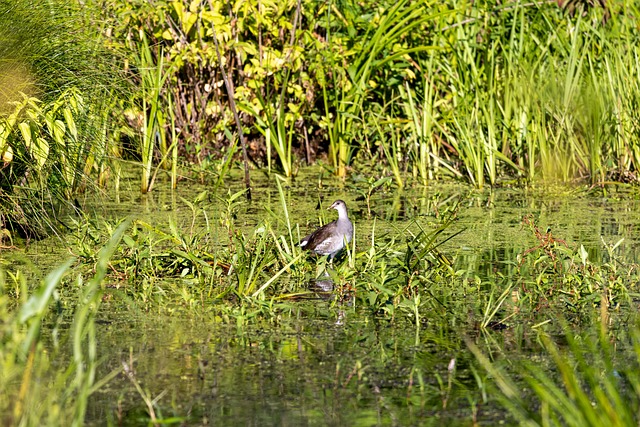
[333, 237]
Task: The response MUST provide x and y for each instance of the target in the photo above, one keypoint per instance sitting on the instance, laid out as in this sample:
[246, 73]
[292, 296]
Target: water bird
[331, 238]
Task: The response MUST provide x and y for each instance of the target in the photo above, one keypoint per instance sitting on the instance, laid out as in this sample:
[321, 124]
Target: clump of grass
[54, 137]
[403, 274]
[590, 381]
[555, 273]
[212, 258]
[39, 385]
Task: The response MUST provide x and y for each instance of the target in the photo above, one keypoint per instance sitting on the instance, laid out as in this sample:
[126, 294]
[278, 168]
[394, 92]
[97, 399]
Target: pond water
[325, 363]
[307, 371]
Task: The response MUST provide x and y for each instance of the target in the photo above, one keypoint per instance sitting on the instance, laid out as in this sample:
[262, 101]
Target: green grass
[211, 265]
[484, 91]
[587, 385]
[39, 384]
[54, 119]
[224, 260]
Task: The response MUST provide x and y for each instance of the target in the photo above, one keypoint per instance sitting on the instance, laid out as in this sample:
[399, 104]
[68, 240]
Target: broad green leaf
[71, 124]
[40, 151]
[167, 35]
[59, 130]
[49, 121]
[179, 8]
[25, 129]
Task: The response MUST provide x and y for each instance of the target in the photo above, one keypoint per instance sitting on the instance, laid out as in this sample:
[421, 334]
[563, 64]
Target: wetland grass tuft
[55, 132]
[40, 384]
[586, 384]
[213, 261]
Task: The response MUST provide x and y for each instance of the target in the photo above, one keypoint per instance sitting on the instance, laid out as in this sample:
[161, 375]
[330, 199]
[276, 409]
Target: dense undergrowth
[485, 92]
[482, 91]
[56, 87]
[215, 259]
[398, 93]
[479, 90]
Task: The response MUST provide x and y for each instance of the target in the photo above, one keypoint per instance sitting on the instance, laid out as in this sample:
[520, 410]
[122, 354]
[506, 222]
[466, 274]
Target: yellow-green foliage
[255, 45]
[45, 136]
[481, 90]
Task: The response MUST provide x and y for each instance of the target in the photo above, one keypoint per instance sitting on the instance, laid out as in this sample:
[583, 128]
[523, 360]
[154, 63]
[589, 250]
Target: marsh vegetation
[161, 161]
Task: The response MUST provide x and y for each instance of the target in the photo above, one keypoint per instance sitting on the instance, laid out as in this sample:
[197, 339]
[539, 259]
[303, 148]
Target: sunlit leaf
[40, 151]
[71, 124]
[25, 130]
[59, 130]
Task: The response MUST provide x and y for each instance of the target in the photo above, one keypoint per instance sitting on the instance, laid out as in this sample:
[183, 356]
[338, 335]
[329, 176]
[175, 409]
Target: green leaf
[37, 303]
[71, 124]
[40, 151]
[583, 255]
[25, 129]
[59, 130]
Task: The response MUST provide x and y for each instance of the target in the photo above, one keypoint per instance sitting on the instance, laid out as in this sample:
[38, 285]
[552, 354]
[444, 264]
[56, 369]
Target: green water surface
[324, 362]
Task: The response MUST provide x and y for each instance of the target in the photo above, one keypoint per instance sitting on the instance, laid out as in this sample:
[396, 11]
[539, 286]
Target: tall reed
[342, 107]
[153, 75]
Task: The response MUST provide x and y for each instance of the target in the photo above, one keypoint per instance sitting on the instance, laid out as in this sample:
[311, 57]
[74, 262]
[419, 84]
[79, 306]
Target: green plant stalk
[59, 396]
[488, 117]
[491, 310]
[468, 150]
[398, 21]
[422, 122]
[274, 130]
[174, 145]
[262, 288]
[83, 328]
[225, 165]
[285, 210]
[391, 152]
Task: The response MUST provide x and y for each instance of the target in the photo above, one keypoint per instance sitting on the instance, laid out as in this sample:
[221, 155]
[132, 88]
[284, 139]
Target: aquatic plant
[383, 34]
[153, 75]
[38, 383]
[589, 383]
[424, 150]
[481, 91]
[552, 272]
[215, 265]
